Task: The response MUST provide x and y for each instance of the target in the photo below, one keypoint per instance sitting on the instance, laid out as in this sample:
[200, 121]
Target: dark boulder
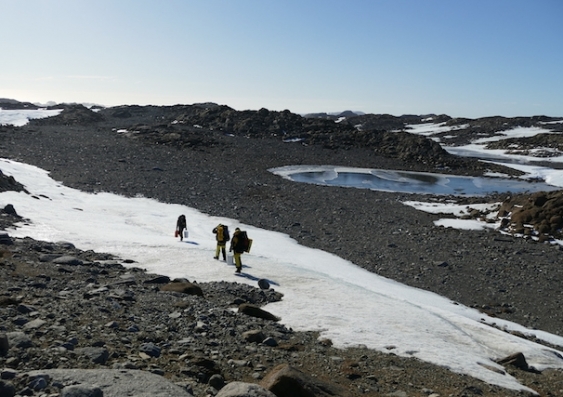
[255, 311]
[184, 288]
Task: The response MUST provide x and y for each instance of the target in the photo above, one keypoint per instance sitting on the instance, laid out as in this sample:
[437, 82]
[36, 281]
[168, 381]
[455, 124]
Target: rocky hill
[385, 134]
[189, 126]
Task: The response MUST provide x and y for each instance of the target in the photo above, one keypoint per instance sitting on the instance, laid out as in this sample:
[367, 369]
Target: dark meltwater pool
[408, 182]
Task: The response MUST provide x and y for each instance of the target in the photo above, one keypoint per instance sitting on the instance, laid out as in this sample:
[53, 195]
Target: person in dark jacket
[181, 226]
[222, 236]
[237, 247]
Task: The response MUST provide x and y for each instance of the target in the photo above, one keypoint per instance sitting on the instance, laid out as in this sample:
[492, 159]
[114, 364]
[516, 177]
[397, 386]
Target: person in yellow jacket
[222, 236]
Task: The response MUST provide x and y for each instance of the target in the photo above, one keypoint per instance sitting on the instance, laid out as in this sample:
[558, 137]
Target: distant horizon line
[337, 113]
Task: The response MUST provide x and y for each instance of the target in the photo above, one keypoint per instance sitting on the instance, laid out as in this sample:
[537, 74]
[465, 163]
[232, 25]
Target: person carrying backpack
[222, 236]
[240, 244]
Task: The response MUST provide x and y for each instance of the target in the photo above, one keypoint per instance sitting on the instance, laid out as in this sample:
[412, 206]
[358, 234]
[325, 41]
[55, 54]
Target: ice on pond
[407, 181]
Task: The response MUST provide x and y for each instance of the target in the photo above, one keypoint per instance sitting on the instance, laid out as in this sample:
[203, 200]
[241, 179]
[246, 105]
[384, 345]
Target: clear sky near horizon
[465, 59]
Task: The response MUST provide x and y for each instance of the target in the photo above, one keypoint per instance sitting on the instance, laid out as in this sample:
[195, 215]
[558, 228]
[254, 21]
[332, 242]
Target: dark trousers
[221, 249]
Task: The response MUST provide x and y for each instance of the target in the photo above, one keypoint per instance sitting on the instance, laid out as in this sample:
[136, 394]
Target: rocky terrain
[88, 310]
[66, 309]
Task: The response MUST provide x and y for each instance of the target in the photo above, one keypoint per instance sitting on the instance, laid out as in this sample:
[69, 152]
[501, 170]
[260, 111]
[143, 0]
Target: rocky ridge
[385, 135]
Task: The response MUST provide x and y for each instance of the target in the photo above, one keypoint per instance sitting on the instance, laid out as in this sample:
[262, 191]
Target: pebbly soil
[91, 312]
[221, 175]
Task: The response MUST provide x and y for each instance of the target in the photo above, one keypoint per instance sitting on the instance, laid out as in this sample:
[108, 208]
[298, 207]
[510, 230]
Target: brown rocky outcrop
[539, 214]
[183, 287]
[73, 114]
[287, 381]
[256, 311]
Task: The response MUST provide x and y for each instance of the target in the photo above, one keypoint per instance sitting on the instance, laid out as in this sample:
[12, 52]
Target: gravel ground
[511, 278]
[63, 308]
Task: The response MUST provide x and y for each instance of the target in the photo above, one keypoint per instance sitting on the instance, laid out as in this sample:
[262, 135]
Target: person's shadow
[189, 242]
[254, 278]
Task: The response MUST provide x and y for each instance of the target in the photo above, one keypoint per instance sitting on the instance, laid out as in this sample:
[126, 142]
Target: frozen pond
[408, 182]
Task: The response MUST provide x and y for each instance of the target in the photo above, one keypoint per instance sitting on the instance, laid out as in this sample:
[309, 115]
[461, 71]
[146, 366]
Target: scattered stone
[19, 339]
[216, 381]
[34, 324]
[97, 355]
[242, 389]
[68, 260]
[150, 349]
[7, 389]
[254, 336]
[184, 288]
[82, 390]
[10, 210]
[8, 373]
[517, 360]
[285, 381]
[263, 284]
[158, 280]
[5, 239]
[255, 311]
[270, 342]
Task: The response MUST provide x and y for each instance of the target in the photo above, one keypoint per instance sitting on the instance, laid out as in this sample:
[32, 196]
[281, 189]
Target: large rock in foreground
[113, 383]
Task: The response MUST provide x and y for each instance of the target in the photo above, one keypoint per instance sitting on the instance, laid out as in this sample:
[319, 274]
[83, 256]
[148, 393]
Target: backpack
[244, 242]
[223, 233]
[226, 235]
[220, 233]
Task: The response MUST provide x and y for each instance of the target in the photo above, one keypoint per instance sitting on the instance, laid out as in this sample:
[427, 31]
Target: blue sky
[462, 58]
